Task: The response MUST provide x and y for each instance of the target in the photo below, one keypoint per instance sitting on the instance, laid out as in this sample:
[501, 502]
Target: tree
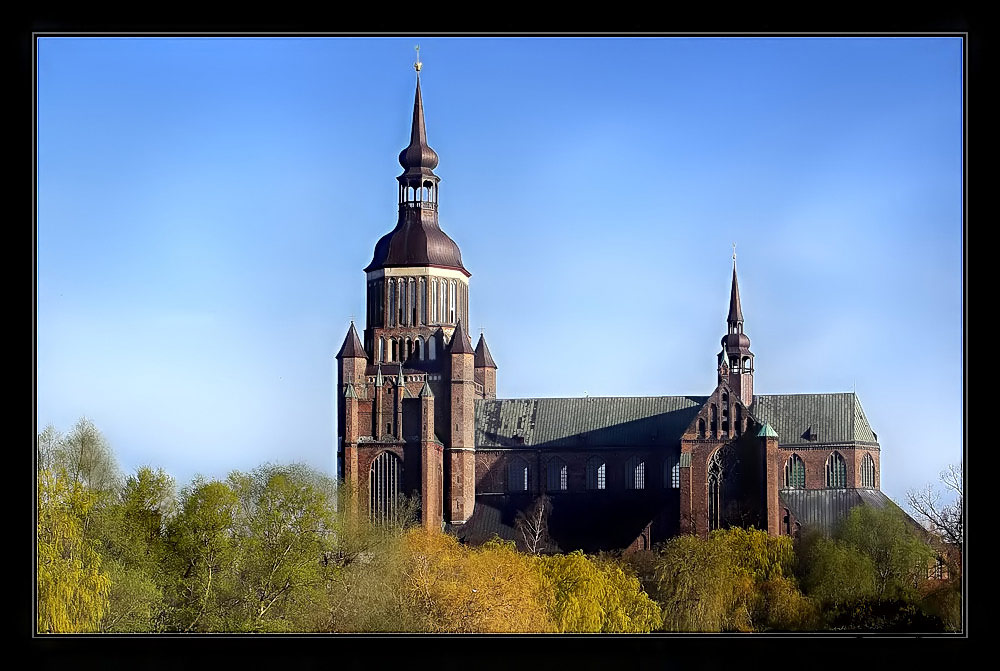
[898, 555]
[533, 525]
[943, 519]
[72, 588]
[84, 454]
[131, 532]
[200, 558]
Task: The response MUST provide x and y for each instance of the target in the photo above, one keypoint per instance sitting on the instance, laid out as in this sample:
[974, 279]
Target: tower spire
[735, 311]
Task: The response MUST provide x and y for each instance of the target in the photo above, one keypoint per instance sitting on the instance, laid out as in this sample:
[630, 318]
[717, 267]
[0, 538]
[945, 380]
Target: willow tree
[72, 590]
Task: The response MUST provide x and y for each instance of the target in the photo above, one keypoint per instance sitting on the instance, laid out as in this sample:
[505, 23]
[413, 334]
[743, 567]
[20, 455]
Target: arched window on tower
[400, 302]
[384, 488]
[434, 300]
[432, 348]
[714, 416]
[422, 299]
[596, 473]
[517, 475]
[556, 475]
[715, 481]
[635, 473]
[701, 427]
[420, 348]
[868, 471]
[836, 471]
[795, 473]
[451, 302]
[381, 349]
[412, 302]
[391, 300]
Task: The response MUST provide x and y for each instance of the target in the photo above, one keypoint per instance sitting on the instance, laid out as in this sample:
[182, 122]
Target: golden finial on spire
[418, 64]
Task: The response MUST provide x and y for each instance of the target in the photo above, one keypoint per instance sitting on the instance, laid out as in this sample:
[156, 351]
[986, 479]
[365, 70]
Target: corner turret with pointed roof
[483, 358]
[460, 343]
[352, 347]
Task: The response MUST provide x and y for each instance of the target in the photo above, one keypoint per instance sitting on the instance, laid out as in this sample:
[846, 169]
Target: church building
[418, 414]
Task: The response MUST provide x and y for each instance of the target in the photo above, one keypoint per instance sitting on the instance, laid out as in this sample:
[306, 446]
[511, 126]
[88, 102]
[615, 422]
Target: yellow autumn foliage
[489, 589]
[73, 591]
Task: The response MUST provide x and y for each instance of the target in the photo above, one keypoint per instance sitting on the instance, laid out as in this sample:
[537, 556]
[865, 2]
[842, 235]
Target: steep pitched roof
[827, 418]
[460, 342]
[483, 358]
[825, 509]
[583, 422]
[642, 421]
[352, 347]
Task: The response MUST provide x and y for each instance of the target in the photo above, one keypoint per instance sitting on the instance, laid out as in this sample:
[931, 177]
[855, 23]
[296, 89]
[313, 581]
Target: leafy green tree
[131, 530]
[898, 554]
[283, 532]
[86, 457]
[200, 558]
[72, 587]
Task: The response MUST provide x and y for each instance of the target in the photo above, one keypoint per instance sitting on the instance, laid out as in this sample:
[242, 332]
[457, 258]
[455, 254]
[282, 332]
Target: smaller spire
[723, 360]
[460, 342]
[352, 347]
[378, 376]
[425, 391]
[735, 312]
[483, 358]
[349, 391]
[399, 378]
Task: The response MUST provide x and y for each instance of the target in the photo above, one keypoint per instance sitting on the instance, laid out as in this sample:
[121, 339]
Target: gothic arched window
[635, 473]
[384, 488]
[795, 473]
[556, 475]
[671, 473]
[451, 302]
[517, 475]
[868, 471]
[596, 473]
[434, 301]
[432, 348]
[422, 299]
[836, 471]
[391, 308]
[412, 303]
[715, 478]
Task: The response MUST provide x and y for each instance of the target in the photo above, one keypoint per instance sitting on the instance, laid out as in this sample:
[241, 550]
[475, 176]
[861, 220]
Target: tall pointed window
[400, 302]
[868, 471]
[795, 473]
[384, 488]
[517, 475]
[556, 474]
[422, 299]
[635, 473]
[391, 297]
[432, 348]
[836, 471]
[412, 302]
[671, 473]
[451, 302]
[715, 491]
[434, 301]
[596, 472]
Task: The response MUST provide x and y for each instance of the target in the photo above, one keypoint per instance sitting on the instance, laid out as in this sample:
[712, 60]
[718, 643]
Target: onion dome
[733, 341]
[416, 241]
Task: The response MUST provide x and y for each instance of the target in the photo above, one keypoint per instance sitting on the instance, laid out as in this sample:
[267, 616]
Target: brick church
[418, 413]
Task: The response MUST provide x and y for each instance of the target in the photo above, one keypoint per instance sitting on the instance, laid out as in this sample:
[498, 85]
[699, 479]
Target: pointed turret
[378, 376]
[425, 391]
[352, 347]
[483, 358]
[460, 343]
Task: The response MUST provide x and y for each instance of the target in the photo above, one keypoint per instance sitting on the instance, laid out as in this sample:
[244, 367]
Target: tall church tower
[406, 394]
[736, 359]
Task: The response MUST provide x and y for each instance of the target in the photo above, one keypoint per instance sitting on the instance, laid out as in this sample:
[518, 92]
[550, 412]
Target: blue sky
[206, 206]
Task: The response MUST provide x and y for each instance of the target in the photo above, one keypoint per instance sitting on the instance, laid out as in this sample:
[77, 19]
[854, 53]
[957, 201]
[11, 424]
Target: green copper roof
[766, 432]
[809, 419]
[349, 391]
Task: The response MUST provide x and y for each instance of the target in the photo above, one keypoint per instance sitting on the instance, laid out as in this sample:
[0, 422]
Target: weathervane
[734, 251]
[418, 64]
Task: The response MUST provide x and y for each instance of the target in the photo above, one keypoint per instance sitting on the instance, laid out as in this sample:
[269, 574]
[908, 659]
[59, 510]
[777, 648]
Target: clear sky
[206, 206]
